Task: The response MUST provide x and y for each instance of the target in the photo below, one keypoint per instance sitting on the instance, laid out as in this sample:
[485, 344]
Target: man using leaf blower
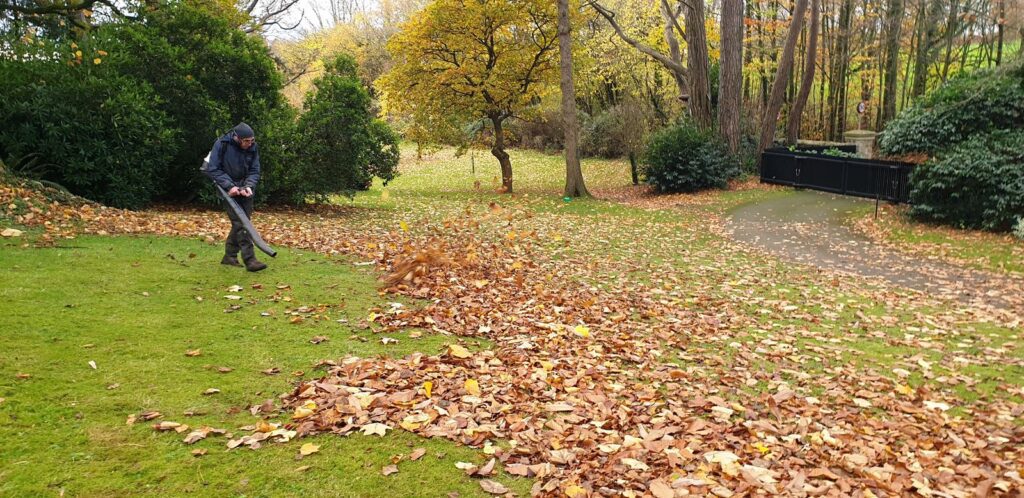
[234, 165]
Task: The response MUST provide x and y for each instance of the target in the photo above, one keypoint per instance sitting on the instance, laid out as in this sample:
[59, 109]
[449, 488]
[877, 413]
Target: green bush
[976, 103]
[209, 74]
[977, 184]
[341, 147]
[97, 131]
[682, 158]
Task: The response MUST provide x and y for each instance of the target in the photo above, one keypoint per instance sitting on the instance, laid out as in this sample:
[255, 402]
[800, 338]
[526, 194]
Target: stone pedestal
[864, 140]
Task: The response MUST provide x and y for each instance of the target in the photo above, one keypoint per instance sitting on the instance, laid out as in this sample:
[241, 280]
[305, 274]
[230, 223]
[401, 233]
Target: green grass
[982, 250]
[63, 429]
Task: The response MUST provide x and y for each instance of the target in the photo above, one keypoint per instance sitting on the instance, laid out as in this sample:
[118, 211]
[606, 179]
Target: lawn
[135, 306]
[1002, 253]
[616, 301]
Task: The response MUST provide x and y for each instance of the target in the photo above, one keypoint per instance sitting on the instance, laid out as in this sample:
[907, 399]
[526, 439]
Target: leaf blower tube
[235, 208]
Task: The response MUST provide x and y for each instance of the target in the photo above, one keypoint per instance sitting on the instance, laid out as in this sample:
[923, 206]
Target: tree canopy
[457, 62]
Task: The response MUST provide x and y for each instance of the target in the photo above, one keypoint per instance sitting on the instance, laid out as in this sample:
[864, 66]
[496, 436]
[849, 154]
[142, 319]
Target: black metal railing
[883, 180]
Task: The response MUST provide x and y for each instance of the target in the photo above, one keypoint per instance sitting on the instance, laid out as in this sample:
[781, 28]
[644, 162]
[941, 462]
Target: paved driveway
[810, 227]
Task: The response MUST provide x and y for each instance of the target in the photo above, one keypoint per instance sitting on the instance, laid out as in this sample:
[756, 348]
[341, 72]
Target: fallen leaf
[417, 453]
[374, 428]
[212, 390]
[389, 469]
[472, 387]
[458, 351]
[660, 489]
[308, 449]
[493, 487]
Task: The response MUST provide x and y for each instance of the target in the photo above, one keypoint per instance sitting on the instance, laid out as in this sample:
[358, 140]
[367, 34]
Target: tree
[771, 113]
[893, 24]
[574, 185]
[693, 87]
[730, 76]
[457, 62]
[796, 112]
[343, 147]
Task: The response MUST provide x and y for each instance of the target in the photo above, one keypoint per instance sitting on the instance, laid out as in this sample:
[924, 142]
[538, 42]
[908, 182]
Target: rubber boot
[253, 264]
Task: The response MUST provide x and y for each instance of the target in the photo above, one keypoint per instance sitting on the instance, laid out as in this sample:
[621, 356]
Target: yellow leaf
[582, 331]
[102, 52]
[428, 387]
[574, 491]
[372, 317]
[404, 225]
[762, 448]
[547, 365]
[472, 387]
[458, 351]
[78, 54]
[304, 411]
[384, 195]
[74, 45]
[904, 389]
[308, 449]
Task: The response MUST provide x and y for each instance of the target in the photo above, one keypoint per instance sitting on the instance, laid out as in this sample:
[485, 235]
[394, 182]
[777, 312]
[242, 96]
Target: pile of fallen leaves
[630, 387]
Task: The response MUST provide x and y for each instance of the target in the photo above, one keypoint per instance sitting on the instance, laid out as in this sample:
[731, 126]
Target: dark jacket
[232, 166]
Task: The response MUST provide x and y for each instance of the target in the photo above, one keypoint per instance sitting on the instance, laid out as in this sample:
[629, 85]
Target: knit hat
[243, 130]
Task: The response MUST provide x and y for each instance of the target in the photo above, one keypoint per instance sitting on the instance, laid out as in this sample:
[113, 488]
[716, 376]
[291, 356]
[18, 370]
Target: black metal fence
[884, 180]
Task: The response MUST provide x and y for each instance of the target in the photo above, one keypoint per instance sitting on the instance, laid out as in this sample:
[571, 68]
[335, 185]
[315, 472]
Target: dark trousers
[238, 237]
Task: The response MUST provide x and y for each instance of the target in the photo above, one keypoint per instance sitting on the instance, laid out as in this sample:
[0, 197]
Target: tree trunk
[633, 170]
[840, 69]
[499, 152]
[797, 111]
[574, 186]
[675, 54]
[697, 63]
[894, 23]
[771, 114]
[925, 49]
[1002, 23]
[730, 75]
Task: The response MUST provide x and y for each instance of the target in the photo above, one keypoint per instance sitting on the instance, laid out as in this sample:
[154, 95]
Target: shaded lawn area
[131, 305]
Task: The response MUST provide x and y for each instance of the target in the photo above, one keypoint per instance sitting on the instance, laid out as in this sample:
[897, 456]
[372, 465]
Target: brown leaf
[493, 487]
[417, 453]
[661, 489]
[389, 469]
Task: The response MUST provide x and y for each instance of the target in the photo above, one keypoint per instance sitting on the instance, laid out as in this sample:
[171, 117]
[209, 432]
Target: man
[234, 164]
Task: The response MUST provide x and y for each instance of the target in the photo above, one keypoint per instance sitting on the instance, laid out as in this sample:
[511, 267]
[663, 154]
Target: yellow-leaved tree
[464, 61]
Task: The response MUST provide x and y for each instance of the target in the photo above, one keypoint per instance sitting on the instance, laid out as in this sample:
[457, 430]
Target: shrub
[682, 158]
[209, 74]
[975, 103]
[615, 132]
[341, 146]
[1018, 231]
[977, 184]
[98, 132]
